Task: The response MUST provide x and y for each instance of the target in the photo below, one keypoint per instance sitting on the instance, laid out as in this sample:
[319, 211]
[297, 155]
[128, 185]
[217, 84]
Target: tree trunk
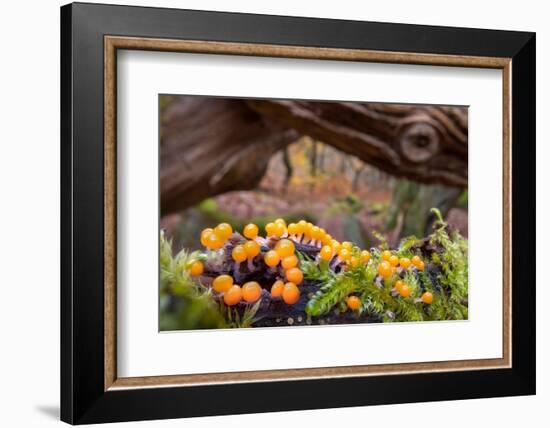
[428, 144]
[214, 145]
[410, 209]
[210, 146]
[288, 166]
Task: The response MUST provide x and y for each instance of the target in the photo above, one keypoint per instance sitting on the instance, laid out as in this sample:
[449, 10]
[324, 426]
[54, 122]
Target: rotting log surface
[273, 312]
[213, 145]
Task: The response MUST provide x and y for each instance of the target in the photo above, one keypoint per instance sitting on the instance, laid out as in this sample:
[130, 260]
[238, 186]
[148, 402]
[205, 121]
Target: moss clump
[445, 276]
[451, 257]
[191, 306]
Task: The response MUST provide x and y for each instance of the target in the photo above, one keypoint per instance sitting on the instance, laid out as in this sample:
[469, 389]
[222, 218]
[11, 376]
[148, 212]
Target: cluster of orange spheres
[310, 234]
[288, 292]
[283, 255]
[246, 251]
[344, 252]
[214, 239]
[390, 262]
[303, 232]
[250, 292]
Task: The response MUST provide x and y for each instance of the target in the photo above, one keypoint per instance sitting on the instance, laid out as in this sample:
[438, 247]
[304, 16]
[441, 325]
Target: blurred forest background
[351, 168]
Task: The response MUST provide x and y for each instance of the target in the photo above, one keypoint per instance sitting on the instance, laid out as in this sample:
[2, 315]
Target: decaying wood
[214, 145]
[273, 311]
[210, 146]
[428, 144]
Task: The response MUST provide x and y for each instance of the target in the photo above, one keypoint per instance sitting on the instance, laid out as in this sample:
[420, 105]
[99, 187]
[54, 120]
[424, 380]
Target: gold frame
[112, 43]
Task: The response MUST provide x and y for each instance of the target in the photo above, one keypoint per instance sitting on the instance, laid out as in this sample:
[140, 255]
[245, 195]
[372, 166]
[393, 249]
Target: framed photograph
[266, 213]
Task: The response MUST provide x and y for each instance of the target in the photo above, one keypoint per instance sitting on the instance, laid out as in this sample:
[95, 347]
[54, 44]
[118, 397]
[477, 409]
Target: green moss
[462, 201]
[453, 263]
[234, 319]
[185, 304]
[446, 277]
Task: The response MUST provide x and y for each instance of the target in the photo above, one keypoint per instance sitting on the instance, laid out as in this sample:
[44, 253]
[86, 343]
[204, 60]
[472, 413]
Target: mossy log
[273, 312]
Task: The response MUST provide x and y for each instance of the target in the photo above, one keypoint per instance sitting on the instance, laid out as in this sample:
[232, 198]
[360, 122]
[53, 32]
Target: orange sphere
[302, 226]
[415, 260]
[347, 245]
[291, 293]
[365, 255]
[405, 291]
[251, 231]
[214, 242]
[398, 285]
[223, 231]
[281, 220]
[277, 288]
[252, 249]
[279, 230]
[294, 275]
[285, 248]
[344, 254]
[315, 232]
[394, 260]
[386, 254]
[385, 269]
[222, 283]
[204, 236]
[271, 258]
[233, 296]
[239, 254]
[420, 265]
[292, 229]
[427, 298]
[336, 246]
[251, 291]
[354, 303]
[196, 268]
[307, 230]
[405, 262]
[270, 229]
[326, 253]
[354, 261]
[289, 262]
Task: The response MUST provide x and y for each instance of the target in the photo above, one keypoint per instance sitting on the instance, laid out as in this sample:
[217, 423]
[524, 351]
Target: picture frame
[91, 35]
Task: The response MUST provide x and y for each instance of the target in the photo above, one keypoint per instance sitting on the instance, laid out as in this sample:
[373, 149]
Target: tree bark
[214, 145]
[288, 166]
[428, 144]
[410, 211]
[210, 146]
